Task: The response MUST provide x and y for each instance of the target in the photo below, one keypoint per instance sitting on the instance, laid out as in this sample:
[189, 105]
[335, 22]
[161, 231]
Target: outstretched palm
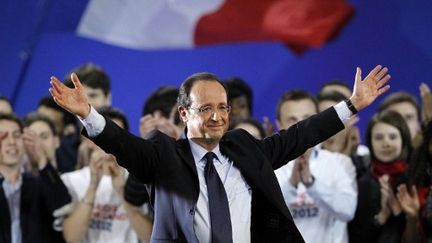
[373, 85]
[74, 99]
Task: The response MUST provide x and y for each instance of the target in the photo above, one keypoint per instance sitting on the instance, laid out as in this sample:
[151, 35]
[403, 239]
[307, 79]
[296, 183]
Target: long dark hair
[394, 119]
[420, 170]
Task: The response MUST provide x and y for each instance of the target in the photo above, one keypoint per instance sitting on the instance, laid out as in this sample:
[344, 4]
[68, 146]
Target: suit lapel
[5, 220]
[184, 151]
[26, 197]
[257, 175]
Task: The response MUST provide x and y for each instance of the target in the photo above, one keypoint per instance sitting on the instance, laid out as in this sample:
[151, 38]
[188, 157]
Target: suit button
[192, 211]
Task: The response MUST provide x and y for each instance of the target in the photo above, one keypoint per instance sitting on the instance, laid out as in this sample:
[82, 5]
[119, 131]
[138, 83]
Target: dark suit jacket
[40, 196]
[168, 166]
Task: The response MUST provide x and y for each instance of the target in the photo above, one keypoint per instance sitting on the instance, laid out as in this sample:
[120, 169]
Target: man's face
[50, 142]
[409, 113]
[97, 98]
[239, 108]
[12, 147]
[207, 96]
[55, 116]
[293, 111]
[5, 107]
[251, 129]
[338, 88]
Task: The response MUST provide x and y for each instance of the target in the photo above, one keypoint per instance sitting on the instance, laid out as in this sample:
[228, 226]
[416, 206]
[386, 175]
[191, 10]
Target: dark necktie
[220, 219]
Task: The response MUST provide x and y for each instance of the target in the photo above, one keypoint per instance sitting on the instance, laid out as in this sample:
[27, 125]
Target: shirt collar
[198, 152]
[12, 188]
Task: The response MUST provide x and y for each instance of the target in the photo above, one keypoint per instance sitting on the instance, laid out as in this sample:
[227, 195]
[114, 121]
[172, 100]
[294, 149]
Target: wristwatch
[351, 106]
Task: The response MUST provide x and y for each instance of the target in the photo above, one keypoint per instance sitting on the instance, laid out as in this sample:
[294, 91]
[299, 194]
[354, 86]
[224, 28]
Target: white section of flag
[142, 24]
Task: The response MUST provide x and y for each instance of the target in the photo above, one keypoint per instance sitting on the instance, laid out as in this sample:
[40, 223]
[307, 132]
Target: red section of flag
[299, 24]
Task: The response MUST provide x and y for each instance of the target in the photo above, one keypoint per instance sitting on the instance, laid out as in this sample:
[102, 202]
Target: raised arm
[290, 143]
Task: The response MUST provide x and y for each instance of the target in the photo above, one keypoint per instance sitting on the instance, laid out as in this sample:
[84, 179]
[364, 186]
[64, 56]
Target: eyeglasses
[209, 110]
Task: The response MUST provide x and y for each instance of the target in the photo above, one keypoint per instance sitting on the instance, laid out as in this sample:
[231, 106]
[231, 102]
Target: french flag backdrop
[274, 45]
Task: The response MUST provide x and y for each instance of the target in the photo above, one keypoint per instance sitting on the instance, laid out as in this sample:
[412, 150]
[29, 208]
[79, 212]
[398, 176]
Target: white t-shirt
[109, 221]
[321, 212]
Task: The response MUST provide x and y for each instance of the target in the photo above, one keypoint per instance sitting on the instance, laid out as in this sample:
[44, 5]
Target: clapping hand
[389, 196]
[34, 148]
[409, 200]
[301, 171]
[96, 167]
[117, 177]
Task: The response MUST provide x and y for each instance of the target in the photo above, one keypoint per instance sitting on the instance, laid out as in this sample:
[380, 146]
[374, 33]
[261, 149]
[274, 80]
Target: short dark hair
[399, 97]
[13, 118]
[163, 99]
[238, 87]
[4, 98]
[331, 96]
[335, 82]
[114, 113]
[35, 117]
[48, 101]
[295, 95]
[250, 121]
[92, 76]
[394, 119]
[185, 88]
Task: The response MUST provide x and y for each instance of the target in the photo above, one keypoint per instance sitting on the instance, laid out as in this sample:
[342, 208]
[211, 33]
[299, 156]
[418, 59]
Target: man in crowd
[320, 186]
[28, 204]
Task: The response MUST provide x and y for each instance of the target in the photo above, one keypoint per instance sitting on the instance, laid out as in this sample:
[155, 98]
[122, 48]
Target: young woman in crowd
[379, 216]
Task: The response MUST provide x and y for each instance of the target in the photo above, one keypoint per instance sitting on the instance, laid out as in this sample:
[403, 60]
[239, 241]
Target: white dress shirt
[321, 212]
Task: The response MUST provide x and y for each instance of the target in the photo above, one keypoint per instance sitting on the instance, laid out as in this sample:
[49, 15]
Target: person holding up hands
[216, 186]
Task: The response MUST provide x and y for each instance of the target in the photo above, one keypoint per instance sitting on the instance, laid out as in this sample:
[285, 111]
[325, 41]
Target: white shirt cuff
[342, 111]
[94, 123]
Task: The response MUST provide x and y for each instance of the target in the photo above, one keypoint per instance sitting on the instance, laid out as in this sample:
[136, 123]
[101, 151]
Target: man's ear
[278, 125]
[183, 113]
[109, 99]
[56, 142]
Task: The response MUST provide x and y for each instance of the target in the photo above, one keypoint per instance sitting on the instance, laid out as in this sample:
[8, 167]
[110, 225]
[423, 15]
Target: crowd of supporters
[58, 186]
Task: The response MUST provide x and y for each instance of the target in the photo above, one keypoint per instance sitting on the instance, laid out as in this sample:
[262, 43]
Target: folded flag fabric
[146, 24]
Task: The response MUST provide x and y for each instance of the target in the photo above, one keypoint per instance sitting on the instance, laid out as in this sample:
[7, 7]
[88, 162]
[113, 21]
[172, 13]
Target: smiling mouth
[12, 152]
[215, 126]
[387, 153]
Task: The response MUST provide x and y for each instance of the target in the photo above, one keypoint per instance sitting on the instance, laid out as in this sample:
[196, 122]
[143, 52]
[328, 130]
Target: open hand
[117, 177]
[295, 174]
[426, 96]
[34, 148]
[409, 200]
[96, 167]
[74, 99]
[373, 85]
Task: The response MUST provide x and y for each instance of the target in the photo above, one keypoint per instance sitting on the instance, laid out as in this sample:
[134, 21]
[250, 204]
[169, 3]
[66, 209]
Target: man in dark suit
[28, 203]
[189, 204]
